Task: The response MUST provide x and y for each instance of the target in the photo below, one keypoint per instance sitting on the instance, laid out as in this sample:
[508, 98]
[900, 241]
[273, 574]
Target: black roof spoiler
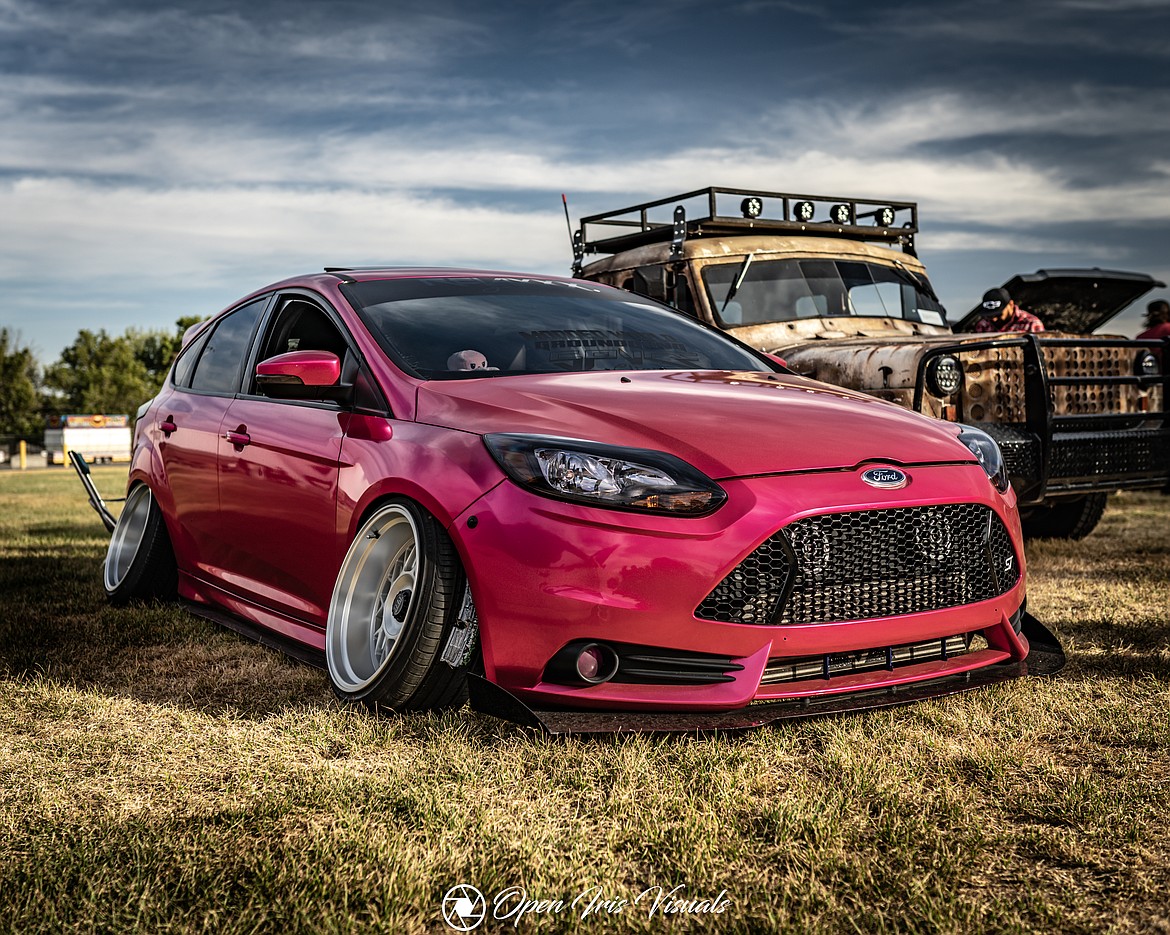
[720, 212]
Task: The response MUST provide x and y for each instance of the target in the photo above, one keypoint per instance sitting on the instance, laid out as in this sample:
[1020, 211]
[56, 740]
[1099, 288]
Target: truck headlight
[1146, 364]
[943, 376]
[605, 475]
[985, 449]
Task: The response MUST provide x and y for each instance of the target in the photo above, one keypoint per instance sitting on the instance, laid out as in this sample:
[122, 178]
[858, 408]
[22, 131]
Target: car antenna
[574, 239]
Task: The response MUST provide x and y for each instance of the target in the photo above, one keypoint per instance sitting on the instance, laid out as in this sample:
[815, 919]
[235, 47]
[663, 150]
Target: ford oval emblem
[886, 478]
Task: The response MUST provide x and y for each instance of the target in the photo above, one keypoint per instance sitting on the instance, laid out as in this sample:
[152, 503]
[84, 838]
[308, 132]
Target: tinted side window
[186, 363]
[223, 355]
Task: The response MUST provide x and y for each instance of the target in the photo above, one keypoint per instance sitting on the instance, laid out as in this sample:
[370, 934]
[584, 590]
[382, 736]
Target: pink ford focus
[578, 506]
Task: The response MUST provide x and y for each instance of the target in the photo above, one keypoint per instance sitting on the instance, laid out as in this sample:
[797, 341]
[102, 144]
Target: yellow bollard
[64, 452]
[23, 454]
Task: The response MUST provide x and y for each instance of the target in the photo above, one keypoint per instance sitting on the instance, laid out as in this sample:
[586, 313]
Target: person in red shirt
[1157, 320]
[1000, 313]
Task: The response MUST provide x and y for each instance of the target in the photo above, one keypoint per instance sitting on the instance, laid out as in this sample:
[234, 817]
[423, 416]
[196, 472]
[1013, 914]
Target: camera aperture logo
[465, 907]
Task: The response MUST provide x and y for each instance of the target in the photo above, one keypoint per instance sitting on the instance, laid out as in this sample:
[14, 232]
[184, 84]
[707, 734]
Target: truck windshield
[784, 290]
[446, 328]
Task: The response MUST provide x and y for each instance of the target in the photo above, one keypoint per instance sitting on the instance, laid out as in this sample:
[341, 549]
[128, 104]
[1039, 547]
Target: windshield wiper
[738, 281]
[912, 279]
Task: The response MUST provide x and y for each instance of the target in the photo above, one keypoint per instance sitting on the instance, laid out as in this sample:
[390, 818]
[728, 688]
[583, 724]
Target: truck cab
[834, 287]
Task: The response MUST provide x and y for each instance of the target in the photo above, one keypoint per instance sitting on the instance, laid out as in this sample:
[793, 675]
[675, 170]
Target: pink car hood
[725, 424]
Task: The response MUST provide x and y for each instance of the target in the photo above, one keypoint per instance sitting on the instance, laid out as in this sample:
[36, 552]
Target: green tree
[157, 349]
[20, 411]
[102, 373]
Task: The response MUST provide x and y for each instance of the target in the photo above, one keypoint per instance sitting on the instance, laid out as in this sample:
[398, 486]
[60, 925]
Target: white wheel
[139, 560]
[393, 606]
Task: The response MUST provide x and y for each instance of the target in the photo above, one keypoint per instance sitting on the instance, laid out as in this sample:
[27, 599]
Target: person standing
[1000, 313]
[1157, 320]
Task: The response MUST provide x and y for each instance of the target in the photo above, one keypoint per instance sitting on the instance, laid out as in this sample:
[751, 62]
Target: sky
[161, 160]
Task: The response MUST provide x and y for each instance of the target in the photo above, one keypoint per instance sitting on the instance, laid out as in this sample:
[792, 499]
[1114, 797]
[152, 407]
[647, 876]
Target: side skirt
[258, 634]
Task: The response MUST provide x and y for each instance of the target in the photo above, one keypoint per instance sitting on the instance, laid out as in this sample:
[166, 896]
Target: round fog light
[596, 663]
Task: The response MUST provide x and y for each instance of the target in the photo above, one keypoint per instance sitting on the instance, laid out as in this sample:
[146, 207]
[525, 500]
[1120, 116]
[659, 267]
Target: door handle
[239, 437]
[167, 425]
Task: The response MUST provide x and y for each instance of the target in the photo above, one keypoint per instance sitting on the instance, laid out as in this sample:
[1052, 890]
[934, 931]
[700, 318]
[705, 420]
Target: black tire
[395, 606]
[140, 563]
[1073, 518]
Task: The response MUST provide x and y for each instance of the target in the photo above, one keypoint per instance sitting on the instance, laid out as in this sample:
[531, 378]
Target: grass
[162, 775]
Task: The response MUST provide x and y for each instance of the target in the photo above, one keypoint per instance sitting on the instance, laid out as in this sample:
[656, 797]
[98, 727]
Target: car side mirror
[302, 375]
[780, 360]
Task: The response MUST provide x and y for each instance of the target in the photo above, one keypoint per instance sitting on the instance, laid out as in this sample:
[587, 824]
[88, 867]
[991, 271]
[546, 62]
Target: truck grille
[994, 387]
[870, 563]
[1020, 449]
[1106, 454]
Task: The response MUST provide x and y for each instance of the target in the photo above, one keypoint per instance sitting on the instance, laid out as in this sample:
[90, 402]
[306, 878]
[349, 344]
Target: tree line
[98, 372]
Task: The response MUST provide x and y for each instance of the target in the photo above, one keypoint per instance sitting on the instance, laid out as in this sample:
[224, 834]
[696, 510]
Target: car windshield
[458, 327]
[785, 290]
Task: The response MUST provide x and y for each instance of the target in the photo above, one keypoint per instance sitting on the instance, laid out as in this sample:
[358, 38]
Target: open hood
[1078, 301]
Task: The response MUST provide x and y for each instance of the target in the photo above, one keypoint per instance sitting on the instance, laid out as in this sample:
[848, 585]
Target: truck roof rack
[707, 212]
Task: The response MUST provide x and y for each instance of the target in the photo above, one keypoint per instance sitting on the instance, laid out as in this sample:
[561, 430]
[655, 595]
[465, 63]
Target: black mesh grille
[1020, 449]
[871, 563]
[755, 587]
[1102, 454]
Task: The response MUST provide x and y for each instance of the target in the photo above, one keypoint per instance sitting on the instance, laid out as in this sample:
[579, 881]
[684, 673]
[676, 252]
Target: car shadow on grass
[56, 624]
[1117, 651]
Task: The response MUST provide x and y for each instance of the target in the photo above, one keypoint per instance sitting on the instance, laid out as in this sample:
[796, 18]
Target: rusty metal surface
[763, 246]
[880, 356]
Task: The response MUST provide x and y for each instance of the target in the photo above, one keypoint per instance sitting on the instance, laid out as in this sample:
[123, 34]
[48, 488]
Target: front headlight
[605, 475]
[984, 447]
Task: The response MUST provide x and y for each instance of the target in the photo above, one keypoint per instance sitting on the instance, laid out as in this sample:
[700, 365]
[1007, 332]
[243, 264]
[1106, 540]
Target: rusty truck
[834, 287]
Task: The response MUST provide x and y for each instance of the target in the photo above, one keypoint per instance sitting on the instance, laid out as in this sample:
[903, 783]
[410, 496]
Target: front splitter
[1045, 658]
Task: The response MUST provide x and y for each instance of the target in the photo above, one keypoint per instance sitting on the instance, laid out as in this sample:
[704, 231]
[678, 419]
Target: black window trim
[214, 326]
[267, 318]
[194, 348]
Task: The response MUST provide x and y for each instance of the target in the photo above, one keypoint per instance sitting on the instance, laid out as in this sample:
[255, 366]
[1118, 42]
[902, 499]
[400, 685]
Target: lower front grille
[779, 671]
[1108, 454]
[648, 665]
[870, 563]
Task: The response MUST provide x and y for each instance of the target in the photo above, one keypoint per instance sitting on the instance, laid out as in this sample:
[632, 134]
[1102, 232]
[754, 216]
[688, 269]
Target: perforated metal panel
[993, 384]
[1086, 362]
[1091, 454]
[870, 563]
[1020, 449]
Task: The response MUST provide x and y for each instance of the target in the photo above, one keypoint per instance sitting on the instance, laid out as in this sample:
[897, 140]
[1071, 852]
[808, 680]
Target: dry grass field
[163, 775]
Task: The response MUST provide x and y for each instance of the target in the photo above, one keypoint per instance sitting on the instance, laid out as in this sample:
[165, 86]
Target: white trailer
[99, 437]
